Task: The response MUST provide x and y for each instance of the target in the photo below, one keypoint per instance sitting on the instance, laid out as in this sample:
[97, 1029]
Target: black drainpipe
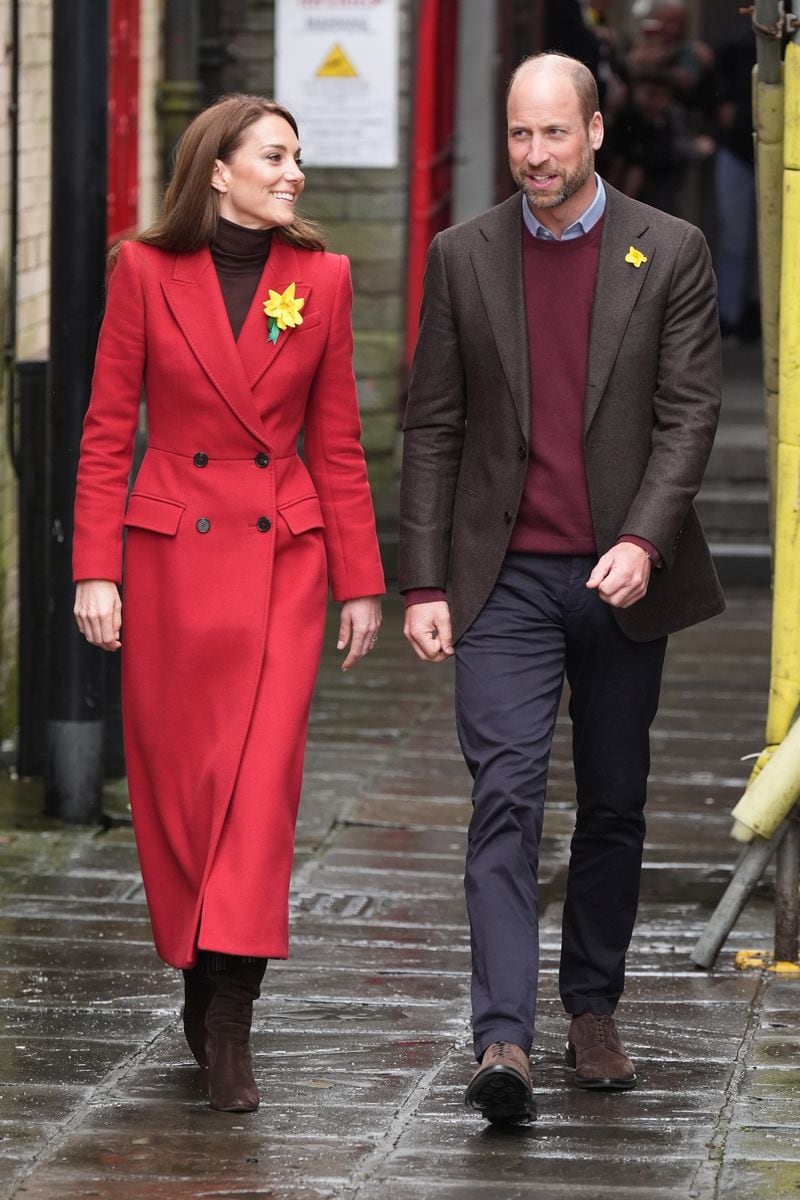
[10, 348]
[76, 671]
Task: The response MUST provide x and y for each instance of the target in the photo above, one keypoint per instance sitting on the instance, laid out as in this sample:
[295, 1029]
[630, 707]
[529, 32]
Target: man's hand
[427, 628]
[621, 576]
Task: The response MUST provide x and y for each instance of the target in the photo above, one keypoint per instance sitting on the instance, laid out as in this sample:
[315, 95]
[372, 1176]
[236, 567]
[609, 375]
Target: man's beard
[570, 182]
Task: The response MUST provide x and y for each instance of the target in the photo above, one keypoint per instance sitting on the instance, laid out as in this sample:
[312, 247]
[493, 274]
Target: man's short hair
[580, 76]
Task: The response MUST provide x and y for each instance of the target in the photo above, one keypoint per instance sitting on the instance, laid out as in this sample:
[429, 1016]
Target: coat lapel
[256, 352]
[497, 261]
[195, 300]
[616, 291]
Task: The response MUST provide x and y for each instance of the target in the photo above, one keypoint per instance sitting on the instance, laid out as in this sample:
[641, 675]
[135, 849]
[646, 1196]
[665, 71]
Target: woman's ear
[219, 177]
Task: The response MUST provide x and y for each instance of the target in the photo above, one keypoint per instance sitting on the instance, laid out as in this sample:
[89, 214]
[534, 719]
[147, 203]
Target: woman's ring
[373, 641]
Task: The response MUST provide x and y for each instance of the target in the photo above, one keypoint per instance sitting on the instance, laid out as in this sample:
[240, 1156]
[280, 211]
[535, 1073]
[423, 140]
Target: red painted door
[123, 117]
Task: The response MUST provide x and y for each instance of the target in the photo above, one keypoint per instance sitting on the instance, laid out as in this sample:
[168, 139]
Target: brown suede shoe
[500, 1089]
[595, 1050]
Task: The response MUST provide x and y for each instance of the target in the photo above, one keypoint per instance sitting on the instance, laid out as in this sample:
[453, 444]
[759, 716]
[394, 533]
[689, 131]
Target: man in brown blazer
[562, 407]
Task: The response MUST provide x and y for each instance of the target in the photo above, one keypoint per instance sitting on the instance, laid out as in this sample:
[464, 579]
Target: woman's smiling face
[259, 184]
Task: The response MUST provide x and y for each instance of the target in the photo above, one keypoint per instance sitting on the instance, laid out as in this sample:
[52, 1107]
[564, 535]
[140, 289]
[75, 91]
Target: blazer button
[522, 452]
[507, 517]
[201, 460]
[263, 524]
[262, 460]
[203, 525]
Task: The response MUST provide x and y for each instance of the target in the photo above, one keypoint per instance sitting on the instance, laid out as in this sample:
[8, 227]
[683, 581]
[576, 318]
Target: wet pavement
[362, 1038]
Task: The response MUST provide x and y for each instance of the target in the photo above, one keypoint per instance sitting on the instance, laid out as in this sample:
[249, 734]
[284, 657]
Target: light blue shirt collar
[583, 225]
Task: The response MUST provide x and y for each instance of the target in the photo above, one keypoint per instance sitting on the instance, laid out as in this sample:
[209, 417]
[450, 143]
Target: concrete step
[734, 508]
[740, 452]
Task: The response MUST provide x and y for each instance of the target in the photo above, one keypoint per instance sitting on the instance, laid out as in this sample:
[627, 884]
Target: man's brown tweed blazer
[651, 408]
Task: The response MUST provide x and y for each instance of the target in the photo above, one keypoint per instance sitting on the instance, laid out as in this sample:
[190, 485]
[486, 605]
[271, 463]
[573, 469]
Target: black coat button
[263, 524]
[201, 460]
[203, 525]
[507, 517]
[262, 460]
[522, 452]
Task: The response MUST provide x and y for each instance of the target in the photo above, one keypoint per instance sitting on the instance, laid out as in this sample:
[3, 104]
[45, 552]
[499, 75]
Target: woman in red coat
[237, 324]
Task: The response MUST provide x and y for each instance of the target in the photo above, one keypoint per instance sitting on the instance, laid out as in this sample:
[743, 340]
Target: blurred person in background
[235, 320]
[735, 186]
[650, 144]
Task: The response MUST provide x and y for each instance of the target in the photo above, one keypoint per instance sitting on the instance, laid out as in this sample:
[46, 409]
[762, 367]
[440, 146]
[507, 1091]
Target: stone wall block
[366, 241]
[376, 354]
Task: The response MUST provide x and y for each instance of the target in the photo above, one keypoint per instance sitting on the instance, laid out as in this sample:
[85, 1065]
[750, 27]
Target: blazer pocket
[154, 513]
[648, 310]
[302, 515]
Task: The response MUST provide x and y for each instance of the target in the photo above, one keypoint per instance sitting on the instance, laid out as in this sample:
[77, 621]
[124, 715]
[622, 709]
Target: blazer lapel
[616, 291]
[195, 300]
[497, 261]
[256, 351]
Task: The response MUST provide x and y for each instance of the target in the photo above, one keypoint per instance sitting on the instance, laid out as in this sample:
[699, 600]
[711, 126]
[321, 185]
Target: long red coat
[231, 542]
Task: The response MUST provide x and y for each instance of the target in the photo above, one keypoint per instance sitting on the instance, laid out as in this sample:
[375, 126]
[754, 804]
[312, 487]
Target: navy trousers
[540, 624]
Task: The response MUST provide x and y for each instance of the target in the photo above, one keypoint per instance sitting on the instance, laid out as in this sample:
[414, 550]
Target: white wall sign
[336, 70]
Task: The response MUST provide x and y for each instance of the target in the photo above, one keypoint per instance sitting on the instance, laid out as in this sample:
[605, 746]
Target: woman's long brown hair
[190, 210]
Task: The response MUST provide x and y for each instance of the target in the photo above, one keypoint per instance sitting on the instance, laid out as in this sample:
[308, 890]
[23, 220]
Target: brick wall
[363, 213]
[33, 281]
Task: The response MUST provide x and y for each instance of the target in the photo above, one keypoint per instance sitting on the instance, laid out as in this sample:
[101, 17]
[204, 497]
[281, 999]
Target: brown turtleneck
[239, 255]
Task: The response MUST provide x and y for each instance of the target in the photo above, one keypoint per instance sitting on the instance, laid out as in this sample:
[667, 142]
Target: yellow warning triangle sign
[336, 65]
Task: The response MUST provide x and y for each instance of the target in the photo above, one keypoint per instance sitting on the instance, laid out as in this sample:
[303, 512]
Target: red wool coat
[231, 541]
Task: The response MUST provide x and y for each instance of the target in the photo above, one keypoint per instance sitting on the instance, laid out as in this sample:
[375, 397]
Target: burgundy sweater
[554, 515]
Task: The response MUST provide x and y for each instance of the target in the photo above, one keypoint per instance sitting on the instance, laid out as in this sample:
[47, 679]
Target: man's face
[551, 152]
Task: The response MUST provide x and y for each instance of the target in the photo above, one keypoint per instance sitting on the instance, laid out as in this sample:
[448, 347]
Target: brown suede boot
[231, 1086]
[500, 1089]
[595, 1050]
[198, 988]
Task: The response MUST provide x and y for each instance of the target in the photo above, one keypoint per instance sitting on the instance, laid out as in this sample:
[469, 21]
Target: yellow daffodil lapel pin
[283, 312]
[635, 257]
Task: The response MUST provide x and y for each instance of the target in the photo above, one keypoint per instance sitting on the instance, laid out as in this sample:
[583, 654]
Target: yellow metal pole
[768, 122]
[784, 693]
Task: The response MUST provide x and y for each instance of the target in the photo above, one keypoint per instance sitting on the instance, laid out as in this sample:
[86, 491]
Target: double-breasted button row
[201, 460]
[263, 525]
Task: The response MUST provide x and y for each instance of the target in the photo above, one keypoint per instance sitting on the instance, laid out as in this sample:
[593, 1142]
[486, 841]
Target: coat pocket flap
[153, 513]
[303, 514]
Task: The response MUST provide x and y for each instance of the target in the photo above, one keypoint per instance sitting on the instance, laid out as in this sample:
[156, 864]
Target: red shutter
[123, 117]
[432, 145]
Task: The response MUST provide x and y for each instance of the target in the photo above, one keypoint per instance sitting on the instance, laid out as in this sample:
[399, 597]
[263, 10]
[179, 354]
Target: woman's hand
[98, 612]
[359, 624]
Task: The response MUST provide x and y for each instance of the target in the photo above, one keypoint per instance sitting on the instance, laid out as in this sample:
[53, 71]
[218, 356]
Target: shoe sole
[596, 1085]
[501, 1097]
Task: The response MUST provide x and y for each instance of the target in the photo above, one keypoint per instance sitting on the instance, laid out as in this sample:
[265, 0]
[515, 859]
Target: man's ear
[596, 131]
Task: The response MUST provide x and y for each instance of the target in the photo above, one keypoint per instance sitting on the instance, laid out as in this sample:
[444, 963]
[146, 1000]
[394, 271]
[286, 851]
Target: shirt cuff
[643, 544]
[423, 596]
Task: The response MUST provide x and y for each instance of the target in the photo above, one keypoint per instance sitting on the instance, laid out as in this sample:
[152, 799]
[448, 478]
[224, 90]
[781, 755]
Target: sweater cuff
[643, 544]
[423, 596]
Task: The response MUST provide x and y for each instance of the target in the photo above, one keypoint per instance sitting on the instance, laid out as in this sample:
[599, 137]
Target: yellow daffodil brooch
[283, 312]
[635, 257]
